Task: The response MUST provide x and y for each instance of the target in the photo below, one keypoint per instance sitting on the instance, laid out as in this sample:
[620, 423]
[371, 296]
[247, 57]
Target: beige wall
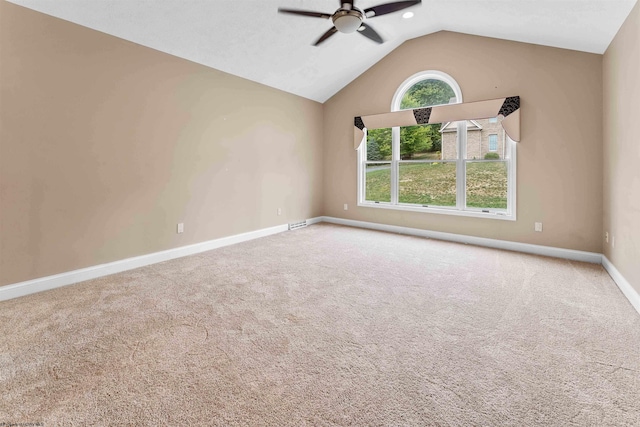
[621, 67]
[106, 145]
[559, 158]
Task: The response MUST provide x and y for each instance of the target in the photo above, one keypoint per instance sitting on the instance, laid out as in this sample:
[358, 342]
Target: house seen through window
[465, 167]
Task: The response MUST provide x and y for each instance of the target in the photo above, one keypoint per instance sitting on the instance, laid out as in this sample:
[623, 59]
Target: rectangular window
[486, 184]
[378, 166]
[378, 182]
[439, 168]
[493, 142]
[427, 183]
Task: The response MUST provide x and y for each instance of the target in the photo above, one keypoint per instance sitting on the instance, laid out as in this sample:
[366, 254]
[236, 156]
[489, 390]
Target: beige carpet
[328, 326]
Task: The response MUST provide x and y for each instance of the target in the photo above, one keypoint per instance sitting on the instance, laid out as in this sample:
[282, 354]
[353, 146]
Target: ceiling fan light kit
[349, 19]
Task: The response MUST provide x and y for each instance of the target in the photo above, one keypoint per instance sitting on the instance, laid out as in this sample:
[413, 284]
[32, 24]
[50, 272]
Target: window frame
[460, 209]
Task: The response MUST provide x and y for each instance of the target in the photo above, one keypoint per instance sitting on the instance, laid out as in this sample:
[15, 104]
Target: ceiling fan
[348, 18]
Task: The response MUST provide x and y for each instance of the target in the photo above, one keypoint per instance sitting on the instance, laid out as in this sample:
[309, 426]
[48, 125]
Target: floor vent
[296, 225]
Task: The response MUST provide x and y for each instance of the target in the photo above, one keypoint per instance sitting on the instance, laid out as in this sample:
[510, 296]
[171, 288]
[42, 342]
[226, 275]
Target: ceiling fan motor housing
[347, 21]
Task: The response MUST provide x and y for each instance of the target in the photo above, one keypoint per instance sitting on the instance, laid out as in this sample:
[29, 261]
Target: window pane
[426, 93]
[379, 144]
[378, 182]
[487, 185]
[421, 142]
[485, 139]
[432, 184]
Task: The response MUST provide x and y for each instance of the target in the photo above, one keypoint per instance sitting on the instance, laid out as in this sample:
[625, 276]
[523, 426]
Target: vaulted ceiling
[248, 38]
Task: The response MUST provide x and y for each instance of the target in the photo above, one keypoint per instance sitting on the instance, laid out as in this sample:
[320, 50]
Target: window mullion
[511, 176]
[460, 166]
[395, 157]
[362, 167]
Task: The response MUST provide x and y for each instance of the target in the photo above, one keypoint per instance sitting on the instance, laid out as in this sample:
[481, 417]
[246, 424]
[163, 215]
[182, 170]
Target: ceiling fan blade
[305, 13]
[383, 9]
[326, 35]
[369, 32]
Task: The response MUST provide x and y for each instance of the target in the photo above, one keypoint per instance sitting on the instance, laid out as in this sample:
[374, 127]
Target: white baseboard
[625, 287]
[591, 257]
[58, 280]
[315, 220]
[50, 282]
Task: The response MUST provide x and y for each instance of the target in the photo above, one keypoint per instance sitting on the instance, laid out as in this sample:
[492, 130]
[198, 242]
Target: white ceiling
[250, 39]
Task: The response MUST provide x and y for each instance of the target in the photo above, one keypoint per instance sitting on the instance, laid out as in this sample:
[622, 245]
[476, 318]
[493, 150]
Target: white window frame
[460, 209]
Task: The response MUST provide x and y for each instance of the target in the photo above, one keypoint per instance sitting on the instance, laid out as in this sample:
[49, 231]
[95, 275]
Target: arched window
[426, 89]
[461, 168]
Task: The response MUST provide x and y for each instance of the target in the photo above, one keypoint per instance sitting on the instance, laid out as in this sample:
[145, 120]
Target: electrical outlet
[606, 236]
[346, 207]
[180, 227]
[279, 211]
[538, 226]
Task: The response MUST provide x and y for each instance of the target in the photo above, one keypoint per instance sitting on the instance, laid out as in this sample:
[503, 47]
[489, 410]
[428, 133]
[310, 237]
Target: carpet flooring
[328, 326]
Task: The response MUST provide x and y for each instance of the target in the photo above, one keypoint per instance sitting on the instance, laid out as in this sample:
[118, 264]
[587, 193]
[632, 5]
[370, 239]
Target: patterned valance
[508, 107]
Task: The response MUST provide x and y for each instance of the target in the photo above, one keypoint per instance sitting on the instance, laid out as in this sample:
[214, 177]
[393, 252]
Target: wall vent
[296, 225]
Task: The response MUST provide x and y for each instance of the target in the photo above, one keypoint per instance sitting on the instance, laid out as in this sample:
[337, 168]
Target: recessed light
[407, 15]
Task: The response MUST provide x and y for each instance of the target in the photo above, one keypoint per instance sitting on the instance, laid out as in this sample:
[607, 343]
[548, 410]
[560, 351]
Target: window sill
[441, 211]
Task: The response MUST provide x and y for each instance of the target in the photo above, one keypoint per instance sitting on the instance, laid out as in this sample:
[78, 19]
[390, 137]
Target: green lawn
[426, 156]
[435, 184]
